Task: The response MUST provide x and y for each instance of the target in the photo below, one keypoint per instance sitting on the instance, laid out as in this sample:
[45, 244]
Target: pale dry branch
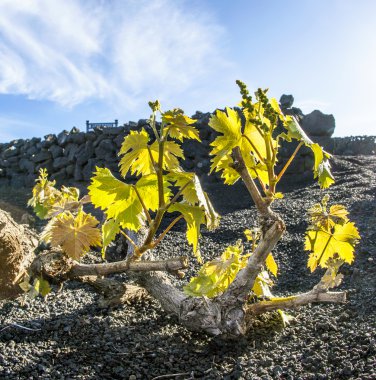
[295, 301]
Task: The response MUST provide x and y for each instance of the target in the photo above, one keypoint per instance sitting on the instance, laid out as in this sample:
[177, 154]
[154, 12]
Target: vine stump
[17, 245]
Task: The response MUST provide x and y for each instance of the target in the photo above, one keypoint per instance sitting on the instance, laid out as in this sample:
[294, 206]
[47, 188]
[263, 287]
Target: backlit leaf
[261, 287]
[136, 157]
[74, 234]
[48, 201]
[110, 229]
[271, 265]
[325, 245]
[321, 168]
[251, 143]
[321, 217]
[147, 187]
[42, 286]
[179, 126]
[172, 153]
[194, 216]
[117, 199]
[255, 140]
[215, 276]
[229, 125]
[194, 195]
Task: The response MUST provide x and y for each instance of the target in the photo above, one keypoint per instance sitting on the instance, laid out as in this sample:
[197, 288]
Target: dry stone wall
[72, 156]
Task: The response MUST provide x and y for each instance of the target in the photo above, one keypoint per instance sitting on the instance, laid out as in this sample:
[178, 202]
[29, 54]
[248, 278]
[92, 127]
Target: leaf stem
[282, 172]
[143, 205]
[161, 205]
[259, 180]
[160, 173]
[177, 195]
[164, 233]
[153, 127]
[254, 148]
[269, 163]
[136, 248]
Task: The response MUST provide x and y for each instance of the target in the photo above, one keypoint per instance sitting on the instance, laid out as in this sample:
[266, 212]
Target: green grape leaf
[41, 210]
[227, 123]
[325, 245]
[321, 217]
[48, 201]
[229, 174]
[147, 187]
[194, 216]
[171, 155]
[74, 234]
[184, 181]
[193, 194]
[321, 168]
[44, 195]
[41, 286]
[110, 229]
[253, 234]
[255, 136]
[275, 105]
[215, 276]
[136, 157]
[117, 199]
[251, 144]
[179, 126]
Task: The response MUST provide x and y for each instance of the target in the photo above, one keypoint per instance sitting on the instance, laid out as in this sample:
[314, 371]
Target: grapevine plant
[229, 290]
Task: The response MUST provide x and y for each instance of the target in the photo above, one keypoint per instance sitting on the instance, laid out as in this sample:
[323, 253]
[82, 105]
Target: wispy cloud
[122, 51]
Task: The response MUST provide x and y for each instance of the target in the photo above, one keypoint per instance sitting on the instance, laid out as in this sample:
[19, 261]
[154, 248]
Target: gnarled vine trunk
[228, 315]
[17, 244]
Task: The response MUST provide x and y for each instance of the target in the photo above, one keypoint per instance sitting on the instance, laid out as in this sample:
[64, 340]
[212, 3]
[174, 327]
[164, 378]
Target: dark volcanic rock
[62, 138]
[27, 165]
[56, 151]
[318, 124]
[41, 156]
[286, 101]
[11, 152]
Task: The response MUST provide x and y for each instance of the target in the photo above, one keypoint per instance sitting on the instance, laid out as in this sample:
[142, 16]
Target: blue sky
[63, 62]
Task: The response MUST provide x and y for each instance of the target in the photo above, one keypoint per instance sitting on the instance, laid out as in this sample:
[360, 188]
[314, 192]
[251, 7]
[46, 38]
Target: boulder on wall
[286, 102]
[317, 123]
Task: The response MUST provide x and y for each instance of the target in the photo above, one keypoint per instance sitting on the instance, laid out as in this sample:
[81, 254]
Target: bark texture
[17, 244]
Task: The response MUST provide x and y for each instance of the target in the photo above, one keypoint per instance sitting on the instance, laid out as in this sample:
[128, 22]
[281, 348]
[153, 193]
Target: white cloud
[122, 51]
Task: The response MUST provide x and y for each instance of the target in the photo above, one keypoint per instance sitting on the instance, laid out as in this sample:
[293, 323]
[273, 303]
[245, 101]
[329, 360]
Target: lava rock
[318, 124]
[286, 101]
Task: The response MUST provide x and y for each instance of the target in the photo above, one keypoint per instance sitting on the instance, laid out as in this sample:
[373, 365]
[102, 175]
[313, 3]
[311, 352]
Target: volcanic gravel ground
[69, 337]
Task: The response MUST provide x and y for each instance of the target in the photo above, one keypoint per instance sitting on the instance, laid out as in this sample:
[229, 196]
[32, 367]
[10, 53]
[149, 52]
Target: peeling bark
[17, 244]
[58, 267]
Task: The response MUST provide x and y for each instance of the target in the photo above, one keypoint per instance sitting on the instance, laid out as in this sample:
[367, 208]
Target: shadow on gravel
[103, 343]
